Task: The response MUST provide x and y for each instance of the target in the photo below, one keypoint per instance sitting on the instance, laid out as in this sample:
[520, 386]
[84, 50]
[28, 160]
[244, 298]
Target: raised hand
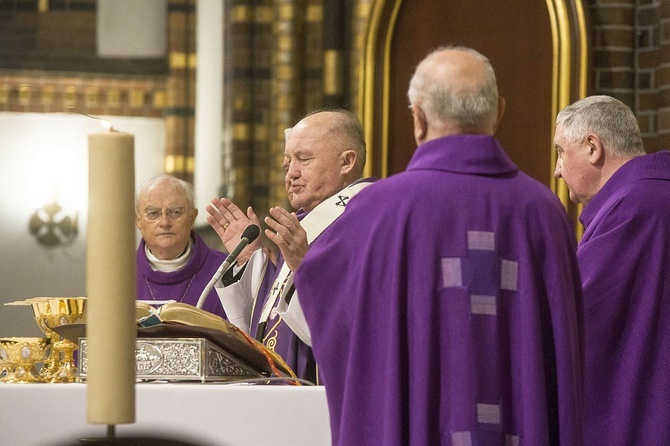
[287, 233]
[229, 222]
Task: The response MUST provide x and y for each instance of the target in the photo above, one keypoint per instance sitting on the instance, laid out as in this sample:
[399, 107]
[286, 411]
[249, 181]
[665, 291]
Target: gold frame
[569, 78]
[563, 69]
[366, 81]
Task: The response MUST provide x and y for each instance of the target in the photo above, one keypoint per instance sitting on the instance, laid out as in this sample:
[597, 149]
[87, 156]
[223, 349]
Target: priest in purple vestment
[447, 308]
[173, 262]
[324, 159]
[624, 257]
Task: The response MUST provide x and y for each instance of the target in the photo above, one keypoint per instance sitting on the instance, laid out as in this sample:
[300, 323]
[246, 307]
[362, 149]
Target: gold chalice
[51, 313]
[21, 356]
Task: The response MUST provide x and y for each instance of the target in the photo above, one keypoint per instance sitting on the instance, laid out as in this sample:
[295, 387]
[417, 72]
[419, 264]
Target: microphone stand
[219, 272]
[248, 236]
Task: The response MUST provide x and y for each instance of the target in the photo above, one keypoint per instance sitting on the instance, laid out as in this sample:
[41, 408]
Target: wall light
[56, 194]
[52, 226]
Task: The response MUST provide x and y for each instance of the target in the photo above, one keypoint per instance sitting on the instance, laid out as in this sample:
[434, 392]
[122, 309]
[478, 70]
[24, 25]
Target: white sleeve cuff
[237, 299]
[292, 314]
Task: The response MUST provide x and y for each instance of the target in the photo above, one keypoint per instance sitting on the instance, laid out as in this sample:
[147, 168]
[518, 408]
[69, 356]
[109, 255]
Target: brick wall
[631, 61]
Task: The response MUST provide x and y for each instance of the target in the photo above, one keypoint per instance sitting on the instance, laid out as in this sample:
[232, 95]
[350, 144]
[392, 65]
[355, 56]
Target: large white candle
[110, 280]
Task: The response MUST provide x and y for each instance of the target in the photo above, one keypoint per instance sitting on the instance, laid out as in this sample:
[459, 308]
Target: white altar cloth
[203, 413]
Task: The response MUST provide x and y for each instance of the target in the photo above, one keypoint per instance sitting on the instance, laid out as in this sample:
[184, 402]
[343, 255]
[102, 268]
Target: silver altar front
[180, 359]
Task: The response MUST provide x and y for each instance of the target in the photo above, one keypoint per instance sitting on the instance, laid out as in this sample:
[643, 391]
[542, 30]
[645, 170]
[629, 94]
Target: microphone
[250, 234]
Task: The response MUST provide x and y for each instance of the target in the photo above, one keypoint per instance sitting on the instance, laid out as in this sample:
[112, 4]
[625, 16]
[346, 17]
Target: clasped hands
[285, 230]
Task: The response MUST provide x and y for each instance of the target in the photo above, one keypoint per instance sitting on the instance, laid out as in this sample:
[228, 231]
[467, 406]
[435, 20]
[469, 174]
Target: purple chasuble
[275, 334]
[445, 306]
[184, 285]
[624, 256]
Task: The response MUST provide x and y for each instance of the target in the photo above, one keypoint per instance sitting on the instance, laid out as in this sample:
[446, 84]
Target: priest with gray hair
[173, 261]
[445, 303]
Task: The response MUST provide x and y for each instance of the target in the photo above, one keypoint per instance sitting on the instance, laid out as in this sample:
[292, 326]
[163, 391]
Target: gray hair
[155, 181]
[443, 101]
[609, 118]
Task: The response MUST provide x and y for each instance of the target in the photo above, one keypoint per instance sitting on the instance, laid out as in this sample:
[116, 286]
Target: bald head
[454, 90]
[324, 152]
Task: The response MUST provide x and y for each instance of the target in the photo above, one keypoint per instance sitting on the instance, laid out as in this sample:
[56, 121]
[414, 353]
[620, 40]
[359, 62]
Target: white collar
[167, 266]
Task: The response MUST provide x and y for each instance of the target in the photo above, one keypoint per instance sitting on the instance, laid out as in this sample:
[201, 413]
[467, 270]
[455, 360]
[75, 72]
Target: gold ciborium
[51, 313]
[21, 356]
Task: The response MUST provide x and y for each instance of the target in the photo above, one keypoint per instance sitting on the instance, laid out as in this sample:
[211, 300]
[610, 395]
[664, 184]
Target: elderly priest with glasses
[173, 262]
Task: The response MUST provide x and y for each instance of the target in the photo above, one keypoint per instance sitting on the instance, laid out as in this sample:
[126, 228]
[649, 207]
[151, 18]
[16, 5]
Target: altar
[208, 414]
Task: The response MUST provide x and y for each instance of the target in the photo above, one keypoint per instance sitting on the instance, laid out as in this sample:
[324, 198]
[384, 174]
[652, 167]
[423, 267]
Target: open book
[176, 319]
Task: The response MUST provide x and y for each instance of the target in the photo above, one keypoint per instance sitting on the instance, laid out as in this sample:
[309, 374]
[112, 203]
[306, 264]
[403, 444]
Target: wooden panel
[515, 36]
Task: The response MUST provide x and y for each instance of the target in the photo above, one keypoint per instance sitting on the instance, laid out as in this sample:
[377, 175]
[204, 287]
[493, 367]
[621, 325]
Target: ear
[596, 149]
[348, 160]
[420, 124]
[192, 216]
[501, 112]
[137, 220]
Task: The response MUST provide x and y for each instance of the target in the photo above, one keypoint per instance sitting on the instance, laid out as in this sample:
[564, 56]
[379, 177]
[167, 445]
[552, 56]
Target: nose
[164, 220]
[292, 172]
[557, 171]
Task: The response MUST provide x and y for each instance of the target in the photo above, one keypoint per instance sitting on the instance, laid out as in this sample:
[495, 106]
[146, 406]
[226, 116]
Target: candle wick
[106, 124]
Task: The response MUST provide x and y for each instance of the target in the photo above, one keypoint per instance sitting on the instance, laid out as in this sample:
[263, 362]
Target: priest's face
[313, 163]
[165, 219]
[574, 166]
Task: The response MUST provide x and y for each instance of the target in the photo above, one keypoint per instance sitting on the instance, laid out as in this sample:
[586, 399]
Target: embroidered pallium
[343, 200]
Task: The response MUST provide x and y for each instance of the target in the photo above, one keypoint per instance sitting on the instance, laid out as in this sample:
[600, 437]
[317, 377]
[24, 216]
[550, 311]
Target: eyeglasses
[153, 214]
